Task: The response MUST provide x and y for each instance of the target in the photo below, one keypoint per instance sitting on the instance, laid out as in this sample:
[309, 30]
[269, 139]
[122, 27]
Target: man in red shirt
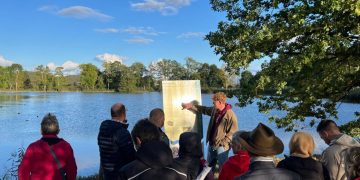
[50, 158]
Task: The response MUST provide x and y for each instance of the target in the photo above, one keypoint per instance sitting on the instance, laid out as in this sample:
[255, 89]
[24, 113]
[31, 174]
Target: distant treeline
[116, 76]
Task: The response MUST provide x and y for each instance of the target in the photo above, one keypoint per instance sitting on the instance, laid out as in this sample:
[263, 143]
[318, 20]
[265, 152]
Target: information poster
[178, 120]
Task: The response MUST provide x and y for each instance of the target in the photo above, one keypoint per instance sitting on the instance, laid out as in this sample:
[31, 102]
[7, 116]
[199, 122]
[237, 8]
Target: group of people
[145, 153]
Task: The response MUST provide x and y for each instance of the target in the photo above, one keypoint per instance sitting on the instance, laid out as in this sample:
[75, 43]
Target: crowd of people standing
[145, 153]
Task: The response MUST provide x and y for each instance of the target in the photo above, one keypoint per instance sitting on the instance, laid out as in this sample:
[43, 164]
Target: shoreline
[353, 101]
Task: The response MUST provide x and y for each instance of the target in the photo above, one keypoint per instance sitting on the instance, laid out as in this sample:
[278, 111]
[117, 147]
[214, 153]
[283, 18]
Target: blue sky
[68, 33]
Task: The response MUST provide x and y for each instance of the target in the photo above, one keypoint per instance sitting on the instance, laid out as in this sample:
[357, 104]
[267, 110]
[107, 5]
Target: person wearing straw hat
[262, 145]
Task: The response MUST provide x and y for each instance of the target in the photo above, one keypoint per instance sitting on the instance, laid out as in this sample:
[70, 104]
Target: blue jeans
[217, 156]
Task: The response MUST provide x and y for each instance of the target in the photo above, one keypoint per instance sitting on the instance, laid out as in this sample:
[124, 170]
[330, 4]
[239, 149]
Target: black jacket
[153, 161]
[260, 170]
[190, 153]
[164, 137]
[307, 168]
[115, 145]
[191, 166]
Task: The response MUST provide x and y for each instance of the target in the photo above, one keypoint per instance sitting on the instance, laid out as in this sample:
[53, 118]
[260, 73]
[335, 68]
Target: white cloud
[82, 12]
[165, 7]
[189, 35]
[142, 30]
[52, 66]
[107, 30]
[78, 12]
[5, 62]
[140, 40]
[70, 67]
[110, 58]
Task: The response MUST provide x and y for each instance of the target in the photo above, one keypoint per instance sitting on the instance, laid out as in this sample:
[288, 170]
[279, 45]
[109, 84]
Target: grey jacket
[333, 157]
[260, 170]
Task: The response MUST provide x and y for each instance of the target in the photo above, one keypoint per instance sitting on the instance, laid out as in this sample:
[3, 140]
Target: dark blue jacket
[153, 161]
[115, 145]
[260, 170]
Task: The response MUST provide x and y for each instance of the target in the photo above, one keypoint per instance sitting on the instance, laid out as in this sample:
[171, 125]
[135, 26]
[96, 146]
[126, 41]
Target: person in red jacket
[50, 158]
[237, 164]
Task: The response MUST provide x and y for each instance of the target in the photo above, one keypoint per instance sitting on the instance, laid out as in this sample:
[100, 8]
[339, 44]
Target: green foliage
[313, 50]
[352, 128]
[12, 77]
[59, 79]
[211, 77]
[88, 76]
[128, 80]
[43, 77]
[167, 69]
[115, 76]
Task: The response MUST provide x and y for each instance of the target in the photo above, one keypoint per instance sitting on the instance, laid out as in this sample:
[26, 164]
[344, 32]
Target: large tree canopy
[311, 48]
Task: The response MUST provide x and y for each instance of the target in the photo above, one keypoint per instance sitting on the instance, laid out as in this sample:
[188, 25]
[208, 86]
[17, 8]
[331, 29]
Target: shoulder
[132, 168]
[230, 113]
[63, 142]
[35, 145]
[332, 151]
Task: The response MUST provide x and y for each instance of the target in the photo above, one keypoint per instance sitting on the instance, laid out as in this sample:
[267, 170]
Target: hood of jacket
[108, 127]
[155, 154]
[346, 140]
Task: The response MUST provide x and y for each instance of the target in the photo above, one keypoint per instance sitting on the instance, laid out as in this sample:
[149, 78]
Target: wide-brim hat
[261, 141]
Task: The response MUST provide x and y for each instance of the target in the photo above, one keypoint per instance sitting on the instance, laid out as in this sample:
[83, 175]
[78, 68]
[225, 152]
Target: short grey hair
[236, 137]
[49, 124]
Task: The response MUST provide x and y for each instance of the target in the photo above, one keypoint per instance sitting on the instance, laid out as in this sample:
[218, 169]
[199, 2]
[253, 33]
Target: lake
[80, 115]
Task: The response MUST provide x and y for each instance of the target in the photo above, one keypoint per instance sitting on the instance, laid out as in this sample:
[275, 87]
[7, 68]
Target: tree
[127, 79]
[192, 68]
[112, 74]
[27, 81]
[59, 79]
[139, 70]
[3, 77]
[168, 69]
[43, 77]
[16, 75]
[246, 80]
[313, 49]
[88, 76]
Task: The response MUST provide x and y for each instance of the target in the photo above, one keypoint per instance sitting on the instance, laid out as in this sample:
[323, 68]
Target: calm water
[80, 115]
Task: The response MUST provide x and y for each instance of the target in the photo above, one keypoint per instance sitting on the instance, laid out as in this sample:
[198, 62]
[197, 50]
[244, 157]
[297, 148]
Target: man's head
[118, 112]
[219, 100]
[144, 131]
[235, 142]
[50, 125]
[157, 117]
[328, 130]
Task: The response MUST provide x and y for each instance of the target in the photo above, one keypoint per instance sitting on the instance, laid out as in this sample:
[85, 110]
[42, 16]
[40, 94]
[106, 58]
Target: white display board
[178, 120]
